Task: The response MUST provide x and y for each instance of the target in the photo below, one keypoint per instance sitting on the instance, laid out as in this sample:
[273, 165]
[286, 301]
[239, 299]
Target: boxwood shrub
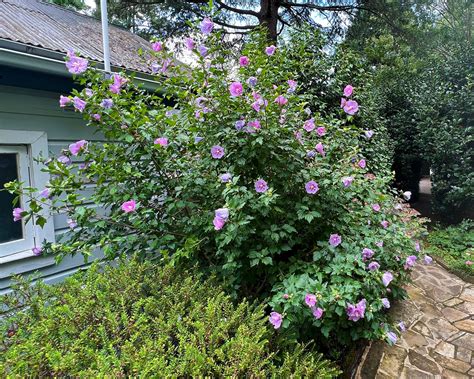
[142, 319]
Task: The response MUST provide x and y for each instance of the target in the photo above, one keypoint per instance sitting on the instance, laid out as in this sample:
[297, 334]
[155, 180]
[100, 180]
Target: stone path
[439, 340]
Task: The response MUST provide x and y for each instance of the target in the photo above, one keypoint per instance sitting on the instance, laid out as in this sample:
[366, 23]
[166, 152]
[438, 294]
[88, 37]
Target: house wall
[34, 110]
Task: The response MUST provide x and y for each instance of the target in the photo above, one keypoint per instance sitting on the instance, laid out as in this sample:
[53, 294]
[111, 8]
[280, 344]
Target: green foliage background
[423, 54]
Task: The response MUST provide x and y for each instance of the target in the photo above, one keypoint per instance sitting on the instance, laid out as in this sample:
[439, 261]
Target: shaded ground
[423, 205]
[439, 341]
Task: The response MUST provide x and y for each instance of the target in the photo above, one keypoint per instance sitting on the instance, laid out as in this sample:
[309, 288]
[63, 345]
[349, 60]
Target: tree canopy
[171, 17]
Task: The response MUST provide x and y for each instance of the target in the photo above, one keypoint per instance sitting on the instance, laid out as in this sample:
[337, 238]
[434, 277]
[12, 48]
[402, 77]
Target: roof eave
[37, 59]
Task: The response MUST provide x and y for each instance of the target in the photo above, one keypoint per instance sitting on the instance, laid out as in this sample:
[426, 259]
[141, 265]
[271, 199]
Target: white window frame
[36, 144]
[27, 240]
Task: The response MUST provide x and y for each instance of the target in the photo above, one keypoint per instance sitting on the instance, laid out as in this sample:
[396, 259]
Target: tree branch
[239, 27]
[237, 10]
[335, 8]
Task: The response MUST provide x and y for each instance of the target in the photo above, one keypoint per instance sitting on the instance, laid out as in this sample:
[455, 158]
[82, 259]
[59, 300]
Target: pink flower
[469, 263]
[335, 240]
[357, 311]
[376, 207]
[129, 206]
[37, 250]
[256, 106]
[281, 100]
[417, 246]
[410, 261]
[312, 187]
[275, 319]
[392, 338]
[162, 141]
[299, 136]
[387, 277]
[270, 50]
[217, 152]
[76, 65]
[64, 160]
[239, 124]
[226, 178]
[286, 296]
[348, 90]
[309, 125]
[76, 147]
[351, 107]
[63, 101]
[384, 224]
[362, 163]
[157, 46]
[96, 116]
[256, 95]
[292, 84]
[203, 50]
[252, 81]
[318, 313]
[118, 83]
[236, 89]
[373, 266]
[45, 193]
[221, 216]
[261, 186]
[107, 103]
[166, 64]
[253, 126]
[379, 243]
[321, 131]
[218, 223]
[244, 61]
[17, 214]
[320, 148]
[79, 104]
[201, 102]
[347, 181]
[367, 254]
[206, 26]
[71, 223]
[310, 300]
[189, 43]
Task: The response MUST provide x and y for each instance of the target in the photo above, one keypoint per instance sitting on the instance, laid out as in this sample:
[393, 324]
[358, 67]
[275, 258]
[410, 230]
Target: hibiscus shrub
[141, 319]
[238, 175]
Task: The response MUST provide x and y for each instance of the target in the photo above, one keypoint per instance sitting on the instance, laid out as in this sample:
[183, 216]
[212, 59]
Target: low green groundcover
[455, 246]
[139, 319]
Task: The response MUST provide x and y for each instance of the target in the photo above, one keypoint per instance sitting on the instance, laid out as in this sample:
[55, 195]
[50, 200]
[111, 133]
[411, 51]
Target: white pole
[105, 34]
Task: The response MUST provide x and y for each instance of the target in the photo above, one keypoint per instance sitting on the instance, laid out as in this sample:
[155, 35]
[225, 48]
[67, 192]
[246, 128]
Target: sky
[90, 3]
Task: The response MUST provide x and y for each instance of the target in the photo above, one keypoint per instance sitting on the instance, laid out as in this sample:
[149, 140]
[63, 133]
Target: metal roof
[45, 25]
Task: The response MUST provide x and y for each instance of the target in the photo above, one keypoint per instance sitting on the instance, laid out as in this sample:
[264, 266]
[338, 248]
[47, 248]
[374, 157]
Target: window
[14, 236]
[17, 150]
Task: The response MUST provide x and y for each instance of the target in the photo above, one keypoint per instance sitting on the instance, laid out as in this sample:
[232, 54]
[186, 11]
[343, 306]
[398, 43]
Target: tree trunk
[269, 17]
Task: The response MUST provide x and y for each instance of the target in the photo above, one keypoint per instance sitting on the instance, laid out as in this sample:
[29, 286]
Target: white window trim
[23, 172]
[37, 145]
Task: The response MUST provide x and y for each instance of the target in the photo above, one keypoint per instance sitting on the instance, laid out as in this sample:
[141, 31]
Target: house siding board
[33, 110]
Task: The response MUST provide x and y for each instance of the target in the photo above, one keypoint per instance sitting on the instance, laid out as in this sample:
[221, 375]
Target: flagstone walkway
[439, 340]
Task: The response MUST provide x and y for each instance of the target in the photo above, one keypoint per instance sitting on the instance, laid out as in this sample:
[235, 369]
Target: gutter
[37, 59]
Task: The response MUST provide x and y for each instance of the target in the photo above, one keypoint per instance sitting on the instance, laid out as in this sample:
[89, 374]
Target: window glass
[9, 230]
